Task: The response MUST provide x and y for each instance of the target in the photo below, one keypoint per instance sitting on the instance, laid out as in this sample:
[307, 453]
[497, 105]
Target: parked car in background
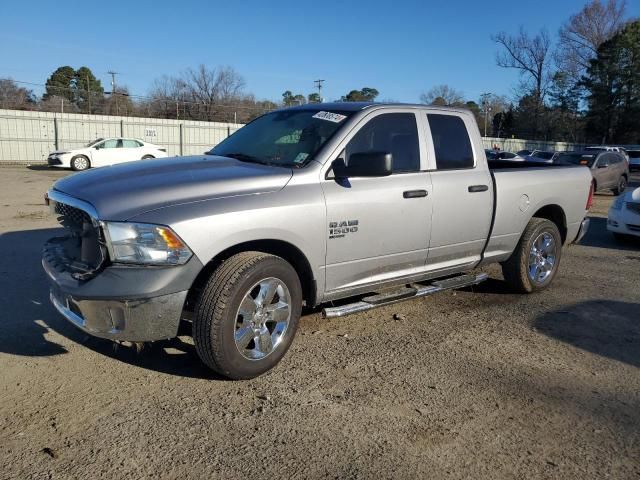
[609, 148]
[624, 215]
[498, 154]
[634, 159]
[523, 153]
[540, 156]
[105, 151]
[609, 169]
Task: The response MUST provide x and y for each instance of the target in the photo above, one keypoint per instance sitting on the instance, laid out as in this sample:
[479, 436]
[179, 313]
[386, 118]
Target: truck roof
[357, 106]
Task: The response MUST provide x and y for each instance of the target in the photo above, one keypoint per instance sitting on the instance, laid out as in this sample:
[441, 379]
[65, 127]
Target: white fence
[28, 137]
[516, 144]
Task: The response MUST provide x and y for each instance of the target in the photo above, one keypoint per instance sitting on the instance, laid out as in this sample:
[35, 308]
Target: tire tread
[213, 301]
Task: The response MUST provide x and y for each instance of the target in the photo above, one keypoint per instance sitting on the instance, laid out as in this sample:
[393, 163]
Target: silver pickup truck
[375, 203]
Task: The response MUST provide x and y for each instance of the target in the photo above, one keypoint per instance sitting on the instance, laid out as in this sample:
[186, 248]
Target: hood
[122, 191]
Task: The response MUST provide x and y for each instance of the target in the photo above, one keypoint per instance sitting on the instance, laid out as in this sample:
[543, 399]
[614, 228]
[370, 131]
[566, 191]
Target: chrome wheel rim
[263, 318]
[542, 258]
[80, 163]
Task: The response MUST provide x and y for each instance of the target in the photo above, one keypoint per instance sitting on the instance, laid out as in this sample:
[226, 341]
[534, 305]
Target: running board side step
[405, 293]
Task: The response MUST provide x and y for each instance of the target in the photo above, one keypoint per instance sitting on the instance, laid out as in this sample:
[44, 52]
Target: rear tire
[148, 157]
[247, 315]
[535, 261]
[622, 185]
[79, 163]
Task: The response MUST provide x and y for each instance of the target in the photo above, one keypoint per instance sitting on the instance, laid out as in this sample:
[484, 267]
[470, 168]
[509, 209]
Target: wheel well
[282, 249]
[555, 214]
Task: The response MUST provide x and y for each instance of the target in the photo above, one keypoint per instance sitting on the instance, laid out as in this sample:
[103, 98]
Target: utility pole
[114, 94]
[89, 94]
[318, 84]
[486, 108]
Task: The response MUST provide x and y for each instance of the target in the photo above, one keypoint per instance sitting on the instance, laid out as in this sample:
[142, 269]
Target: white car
[105, 151]
[624, 215]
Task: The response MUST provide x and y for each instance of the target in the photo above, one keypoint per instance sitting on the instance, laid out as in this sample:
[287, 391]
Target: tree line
[585, 88]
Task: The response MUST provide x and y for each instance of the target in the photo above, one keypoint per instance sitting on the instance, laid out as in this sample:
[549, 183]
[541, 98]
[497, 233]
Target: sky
[400, 47]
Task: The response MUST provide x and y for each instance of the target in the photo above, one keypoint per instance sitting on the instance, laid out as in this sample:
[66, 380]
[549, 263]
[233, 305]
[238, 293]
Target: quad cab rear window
[450, 141]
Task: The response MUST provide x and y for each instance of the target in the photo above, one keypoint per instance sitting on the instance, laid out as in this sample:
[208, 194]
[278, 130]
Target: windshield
[543, 155]
[577, 158]
[289, 138]
[93, 142]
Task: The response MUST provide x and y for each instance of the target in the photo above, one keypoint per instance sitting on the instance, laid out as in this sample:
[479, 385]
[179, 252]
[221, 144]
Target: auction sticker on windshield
[331, 117]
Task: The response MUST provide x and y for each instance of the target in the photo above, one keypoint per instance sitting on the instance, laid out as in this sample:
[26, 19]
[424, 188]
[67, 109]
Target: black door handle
[478, 188]
[414, 193]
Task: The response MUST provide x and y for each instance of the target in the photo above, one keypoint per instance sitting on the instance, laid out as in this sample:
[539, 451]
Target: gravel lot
[473, 384]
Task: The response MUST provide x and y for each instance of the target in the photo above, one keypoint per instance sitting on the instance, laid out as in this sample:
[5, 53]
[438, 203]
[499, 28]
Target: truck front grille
[71, 216]
[82, 249]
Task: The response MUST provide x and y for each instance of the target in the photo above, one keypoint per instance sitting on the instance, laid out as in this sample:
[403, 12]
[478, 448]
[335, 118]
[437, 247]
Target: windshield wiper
[245, 158]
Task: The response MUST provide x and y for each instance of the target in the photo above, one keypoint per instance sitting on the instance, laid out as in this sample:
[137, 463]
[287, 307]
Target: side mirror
[364, 164]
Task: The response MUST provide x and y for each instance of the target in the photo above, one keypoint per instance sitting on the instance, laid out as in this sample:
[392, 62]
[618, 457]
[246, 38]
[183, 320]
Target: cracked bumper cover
[133, 303]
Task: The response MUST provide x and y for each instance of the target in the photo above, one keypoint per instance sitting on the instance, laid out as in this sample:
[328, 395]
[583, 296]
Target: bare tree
[585, 31]
[532, 57]
[442, 95]
[14, 97]
[212, 88]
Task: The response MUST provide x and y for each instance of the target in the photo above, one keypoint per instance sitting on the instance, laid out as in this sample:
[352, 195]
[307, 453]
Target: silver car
[609, 169]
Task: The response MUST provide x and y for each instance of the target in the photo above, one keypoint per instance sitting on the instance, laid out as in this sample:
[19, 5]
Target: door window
[112, 143]
[130, 144]
[395, 133]
[451, 142]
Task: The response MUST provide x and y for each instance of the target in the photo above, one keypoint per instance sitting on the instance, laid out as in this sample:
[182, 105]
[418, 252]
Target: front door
[378, 228]
[107, 153]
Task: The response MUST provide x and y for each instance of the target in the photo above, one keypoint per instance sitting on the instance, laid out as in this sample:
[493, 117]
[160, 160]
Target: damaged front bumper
[134, 303]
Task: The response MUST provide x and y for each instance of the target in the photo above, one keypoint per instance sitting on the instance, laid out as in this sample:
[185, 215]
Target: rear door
[605, 171]
[131, 150]
[378, 228]
[462, 192]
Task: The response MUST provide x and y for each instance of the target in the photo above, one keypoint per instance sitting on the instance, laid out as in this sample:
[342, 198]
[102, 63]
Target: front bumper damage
[134, 303]
[107, 300]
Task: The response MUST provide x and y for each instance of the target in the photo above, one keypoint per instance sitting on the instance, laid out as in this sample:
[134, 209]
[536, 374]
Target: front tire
[535, 261]
[622, 185]
[247, 315]
[79, 163]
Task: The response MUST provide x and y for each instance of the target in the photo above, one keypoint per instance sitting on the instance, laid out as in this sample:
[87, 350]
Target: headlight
[618, 204]
[145, 244]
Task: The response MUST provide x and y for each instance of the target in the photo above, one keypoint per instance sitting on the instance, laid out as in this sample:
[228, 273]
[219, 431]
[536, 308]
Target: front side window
[450, 141]
[395, 133]
[288, 138]
[111, 143]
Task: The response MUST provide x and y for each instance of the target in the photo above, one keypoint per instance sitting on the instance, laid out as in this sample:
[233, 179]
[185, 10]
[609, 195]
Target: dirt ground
[478, 383]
